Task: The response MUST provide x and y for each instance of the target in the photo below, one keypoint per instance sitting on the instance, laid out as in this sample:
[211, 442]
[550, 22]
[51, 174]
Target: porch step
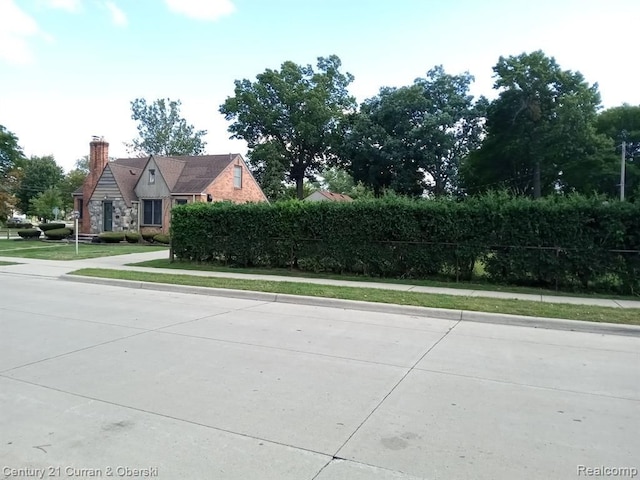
[86, 237]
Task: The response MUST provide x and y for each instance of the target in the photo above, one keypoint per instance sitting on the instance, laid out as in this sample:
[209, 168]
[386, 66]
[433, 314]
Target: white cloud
[68, 5]
[15, 29]
[201, 9]
[118, 16]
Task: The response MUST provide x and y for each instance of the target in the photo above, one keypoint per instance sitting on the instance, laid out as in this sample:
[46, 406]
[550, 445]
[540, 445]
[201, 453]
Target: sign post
[76, 215]
[56, 212]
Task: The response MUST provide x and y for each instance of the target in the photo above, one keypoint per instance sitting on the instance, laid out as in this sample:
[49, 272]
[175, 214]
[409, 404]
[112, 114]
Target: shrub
[111, 237]
[148, 236]
[51, 226]
[162, 238]
[29, 233]
[58, 234]
[23, 225]
[132, 237]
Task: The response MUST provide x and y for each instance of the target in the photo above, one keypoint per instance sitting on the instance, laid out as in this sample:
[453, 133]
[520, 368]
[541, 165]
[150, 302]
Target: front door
[107, 217]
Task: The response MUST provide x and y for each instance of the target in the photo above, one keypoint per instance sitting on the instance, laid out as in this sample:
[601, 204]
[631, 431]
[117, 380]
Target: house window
[152, 176]
[80, 207]
[181, 201]
[152, 212]
[237, 176]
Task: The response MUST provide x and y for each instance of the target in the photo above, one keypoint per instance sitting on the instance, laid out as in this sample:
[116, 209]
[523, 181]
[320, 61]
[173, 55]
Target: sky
[69, 69]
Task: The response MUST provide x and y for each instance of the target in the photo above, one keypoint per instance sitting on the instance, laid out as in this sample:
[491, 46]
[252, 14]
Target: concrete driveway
[144, 384]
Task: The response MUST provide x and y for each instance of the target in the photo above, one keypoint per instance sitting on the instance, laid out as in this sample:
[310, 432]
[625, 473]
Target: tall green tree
[540, 131]
[413, 138]
[43, 203]
[10, 157]
[162, 130]
[622, 124]
[290, 118]
[38, 175]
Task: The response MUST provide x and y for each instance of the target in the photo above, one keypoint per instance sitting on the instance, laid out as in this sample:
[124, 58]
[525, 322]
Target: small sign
[75, 214]
[56, 212]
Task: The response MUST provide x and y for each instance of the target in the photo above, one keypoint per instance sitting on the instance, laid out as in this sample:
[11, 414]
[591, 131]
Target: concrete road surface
[100, 380]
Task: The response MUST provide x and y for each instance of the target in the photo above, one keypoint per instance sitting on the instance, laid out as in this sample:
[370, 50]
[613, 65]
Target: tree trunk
[300, 187]
[537, 188]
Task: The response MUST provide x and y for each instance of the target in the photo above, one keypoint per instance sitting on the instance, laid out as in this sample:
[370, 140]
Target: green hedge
[132, 237]
[23, 225]
[562, 242]
[51, 226]
[162, 238]
[111, 237]
[58, 233]
[29, 233]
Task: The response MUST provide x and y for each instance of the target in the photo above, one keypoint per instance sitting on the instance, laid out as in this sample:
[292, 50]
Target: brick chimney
[98, 160]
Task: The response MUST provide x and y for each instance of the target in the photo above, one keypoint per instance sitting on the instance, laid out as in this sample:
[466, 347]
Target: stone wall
[124, 218]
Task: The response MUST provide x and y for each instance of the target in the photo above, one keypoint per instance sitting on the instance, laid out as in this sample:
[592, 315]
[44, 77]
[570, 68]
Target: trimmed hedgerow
[51, 226]
[562, 242]
[132, 237]
[148, 236]
[29, 233]
[23, 225]
[111, 237]
[58, 233]
[162, 238]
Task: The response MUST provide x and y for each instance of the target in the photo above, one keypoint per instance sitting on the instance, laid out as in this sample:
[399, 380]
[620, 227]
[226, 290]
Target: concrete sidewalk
[53, 268]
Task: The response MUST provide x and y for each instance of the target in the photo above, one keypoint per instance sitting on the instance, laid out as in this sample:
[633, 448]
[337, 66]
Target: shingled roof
[170, 169]
[199, 172]
[126, 178]
[183, 174]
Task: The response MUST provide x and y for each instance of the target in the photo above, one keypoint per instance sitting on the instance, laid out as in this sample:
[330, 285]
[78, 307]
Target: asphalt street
[135, 383]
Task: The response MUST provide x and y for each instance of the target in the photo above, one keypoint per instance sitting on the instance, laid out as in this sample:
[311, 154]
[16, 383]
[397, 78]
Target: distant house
[325, 196]
[138, 194]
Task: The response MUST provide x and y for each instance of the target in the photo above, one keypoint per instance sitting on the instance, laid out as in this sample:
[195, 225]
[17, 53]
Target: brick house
[137, 194]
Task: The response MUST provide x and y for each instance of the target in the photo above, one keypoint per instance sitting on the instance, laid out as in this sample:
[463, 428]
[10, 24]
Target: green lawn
[516, 307]
[166, 263]
[63, 251]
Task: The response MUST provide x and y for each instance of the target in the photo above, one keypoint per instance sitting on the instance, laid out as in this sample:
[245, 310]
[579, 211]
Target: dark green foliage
[132, 237]
[148, 236]
[111, 237]
[51, 226]
[39, 174]
[404, 133]
[23, 225]
[289, 119]
[568, 242]
[58, 233]
[540, 133]
[162, 238]
[29, 233]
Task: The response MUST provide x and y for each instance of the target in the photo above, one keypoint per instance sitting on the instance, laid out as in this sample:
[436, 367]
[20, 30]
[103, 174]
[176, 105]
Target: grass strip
[483, 286]
[63, 251]
[480, 304]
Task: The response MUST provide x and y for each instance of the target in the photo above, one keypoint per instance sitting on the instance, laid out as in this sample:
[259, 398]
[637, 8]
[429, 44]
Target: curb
[439, 313]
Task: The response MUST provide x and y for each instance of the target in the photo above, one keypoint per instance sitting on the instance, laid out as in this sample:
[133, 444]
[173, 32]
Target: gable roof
[126, 178]
[334, 197]
[170, 169]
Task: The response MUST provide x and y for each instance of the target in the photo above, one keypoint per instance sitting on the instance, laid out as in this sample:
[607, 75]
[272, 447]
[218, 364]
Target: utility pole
[622, 170]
